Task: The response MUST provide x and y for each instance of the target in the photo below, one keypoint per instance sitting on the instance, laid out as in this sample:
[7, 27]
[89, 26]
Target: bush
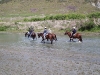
[94, 15]
[87, 26]
[75, 16]
[57, 17]
[60, 17]
[26, 20]
[36, 19]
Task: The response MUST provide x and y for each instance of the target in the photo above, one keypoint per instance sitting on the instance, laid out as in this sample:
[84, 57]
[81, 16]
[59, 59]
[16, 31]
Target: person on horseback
[73, 31]
[45, 32]
[31, 30]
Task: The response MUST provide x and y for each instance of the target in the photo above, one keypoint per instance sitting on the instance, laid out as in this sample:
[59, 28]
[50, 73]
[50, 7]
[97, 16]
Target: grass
[37, 7]
[28, 9]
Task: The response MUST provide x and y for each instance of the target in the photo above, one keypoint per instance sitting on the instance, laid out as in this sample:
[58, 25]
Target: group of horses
[49, 36]
[52, 36]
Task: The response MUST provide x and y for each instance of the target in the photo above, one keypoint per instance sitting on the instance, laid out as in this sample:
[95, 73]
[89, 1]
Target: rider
[73, 31]
[31, 29]
[45, 32]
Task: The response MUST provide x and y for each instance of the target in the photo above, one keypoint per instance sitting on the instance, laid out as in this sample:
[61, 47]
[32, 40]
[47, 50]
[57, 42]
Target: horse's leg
[28, 35]
[25, 34]
[70, 39]
[51, 40]
[80, 39]
[56, 38]
[47, 39]
[33, 38]
[44, 40]
[36, 37]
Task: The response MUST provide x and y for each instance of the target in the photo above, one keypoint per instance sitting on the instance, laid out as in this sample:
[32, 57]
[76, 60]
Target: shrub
[60, 17]
[75, 16]
[57, 17]
[26, 20]
[87, 26]
[94, 15]
[36, 19]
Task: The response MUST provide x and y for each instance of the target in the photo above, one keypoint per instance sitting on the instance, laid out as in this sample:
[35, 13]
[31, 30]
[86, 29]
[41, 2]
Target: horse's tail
[55, 37]
[81, 38]
[36, 36]
[26, 34]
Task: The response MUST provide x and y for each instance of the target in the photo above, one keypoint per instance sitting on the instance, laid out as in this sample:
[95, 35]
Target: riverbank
[57, 26]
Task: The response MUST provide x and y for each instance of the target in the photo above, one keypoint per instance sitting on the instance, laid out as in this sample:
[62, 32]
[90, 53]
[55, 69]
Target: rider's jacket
[74, 31]
[45, 31]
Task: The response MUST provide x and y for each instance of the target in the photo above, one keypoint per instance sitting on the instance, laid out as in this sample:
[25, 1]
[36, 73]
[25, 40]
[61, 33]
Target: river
[20, 55]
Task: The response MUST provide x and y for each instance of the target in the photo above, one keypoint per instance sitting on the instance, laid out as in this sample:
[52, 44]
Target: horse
[76, 35]
[33, 35]
[49, 36]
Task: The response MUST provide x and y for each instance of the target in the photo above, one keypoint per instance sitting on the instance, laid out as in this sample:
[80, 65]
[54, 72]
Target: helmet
[74, 27]
[45, 27]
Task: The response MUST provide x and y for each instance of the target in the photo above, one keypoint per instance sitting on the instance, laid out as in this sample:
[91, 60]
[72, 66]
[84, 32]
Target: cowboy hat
[74, 27]
[45, 27]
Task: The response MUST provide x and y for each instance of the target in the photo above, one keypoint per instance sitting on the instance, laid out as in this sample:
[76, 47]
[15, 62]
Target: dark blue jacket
[74, 31]
[45, 31]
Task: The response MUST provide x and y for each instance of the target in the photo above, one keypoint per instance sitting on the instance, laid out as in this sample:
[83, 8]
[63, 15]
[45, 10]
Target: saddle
[73, 35]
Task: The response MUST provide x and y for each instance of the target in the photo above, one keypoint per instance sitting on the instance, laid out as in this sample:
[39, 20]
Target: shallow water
[20, 55]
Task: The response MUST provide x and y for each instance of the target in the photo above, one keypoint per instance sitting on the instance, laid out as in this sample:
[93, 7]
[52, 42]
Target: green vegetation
[13, 8]
[94, 15]
[89, 26]
[41, 10]
[4, 28]
[65, 17]
[57, 17]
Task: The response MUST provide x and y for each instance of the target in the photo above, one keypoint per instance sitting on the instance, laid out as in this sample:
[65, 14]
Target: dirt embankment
[53, 24]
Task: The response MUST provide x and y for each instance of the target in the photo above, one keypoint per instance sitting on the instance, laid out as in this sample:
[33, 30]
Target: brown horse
[33, 35]
[76, 35]
[49, 36]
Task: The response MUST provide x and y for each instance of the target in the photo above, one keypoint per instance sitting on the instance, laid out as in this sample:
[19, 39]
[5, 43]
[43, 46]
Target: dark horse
[76, 35]
[50, 37]
[33, 35]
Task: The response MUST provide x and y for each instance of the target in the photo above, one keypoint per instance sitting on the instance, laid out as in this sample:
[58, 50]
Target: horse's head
[39, 34]
[66, 33]
[26, 34]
